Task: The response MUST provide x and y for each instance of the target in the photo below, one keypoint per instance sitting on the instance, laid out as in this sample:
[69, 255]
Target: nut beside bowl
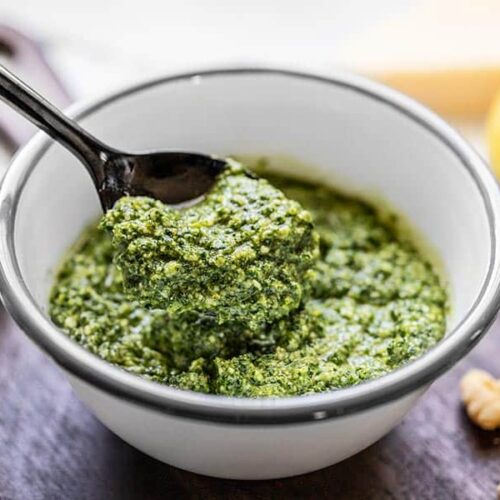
[352, 134]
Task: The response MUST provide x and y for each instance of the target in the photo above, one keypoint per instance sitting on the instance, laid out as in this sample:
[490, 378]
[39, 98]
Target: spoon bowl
[171, 177]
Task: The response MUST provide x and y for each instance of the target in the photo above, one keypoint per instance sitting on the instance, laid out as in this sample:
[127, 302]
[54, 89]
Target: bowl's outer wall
[242, 452]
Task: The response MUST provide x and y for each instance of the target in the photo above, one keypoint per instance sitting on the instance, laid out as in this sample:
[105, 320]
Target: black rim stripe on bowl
[91, 369]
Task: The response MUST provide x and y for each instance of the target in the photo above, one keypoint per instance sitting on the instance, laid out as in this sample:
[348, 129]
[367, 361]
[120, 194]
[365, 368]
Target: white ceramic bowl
[352, 133]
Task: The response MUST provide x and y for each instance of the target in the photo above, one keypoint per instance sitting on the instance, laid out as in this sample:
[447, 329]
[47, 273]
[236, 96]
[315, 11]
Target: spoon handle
[44, 115]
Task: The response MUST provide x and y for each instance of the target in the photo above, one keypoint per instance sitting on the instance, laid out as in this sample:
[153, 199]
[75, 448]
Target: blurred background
[98, 44]
[445, 52]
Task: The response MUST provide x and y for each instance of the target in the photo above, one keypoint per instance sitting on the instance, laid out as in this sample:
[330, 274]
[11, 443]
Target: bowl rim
[92, 370]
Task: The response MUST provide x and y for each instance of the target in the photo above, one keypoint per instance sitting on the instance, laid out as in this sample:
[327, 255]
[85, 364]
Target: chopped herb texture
[241, 255]
[267, 288]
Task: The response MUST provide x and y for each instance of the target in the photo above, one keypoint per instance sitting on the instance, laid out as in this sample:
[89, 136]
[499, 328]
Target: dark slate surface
[52, 447]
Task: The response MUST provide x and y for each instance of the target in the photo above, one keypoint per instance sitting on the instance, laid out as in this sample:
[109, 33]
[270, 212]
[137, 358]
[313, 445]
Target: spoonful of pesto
[171, 177]
[244, 255]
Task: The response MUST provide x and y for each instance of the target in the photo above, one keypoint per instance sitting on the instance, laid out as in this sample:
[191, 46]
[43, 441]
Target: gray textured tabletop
[52, 447]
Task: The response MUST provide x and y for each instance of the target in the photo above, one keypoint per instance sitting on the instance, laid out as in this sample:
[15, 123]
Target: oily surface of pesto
[369, 302]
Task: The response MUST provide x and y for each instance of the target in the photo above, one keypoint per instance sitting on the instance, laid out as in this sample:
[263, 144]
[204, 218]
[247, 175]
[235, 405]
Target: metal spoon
[172, 177]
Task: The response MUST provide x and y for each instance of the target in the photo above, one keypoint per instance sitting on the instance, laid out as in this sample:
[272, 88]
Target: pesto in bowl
[266, 288]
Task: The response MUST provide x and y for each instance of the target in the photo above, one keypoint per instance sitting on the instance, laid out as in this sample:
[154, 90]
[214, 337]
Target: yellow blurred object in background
[493, 134]
[458, 93]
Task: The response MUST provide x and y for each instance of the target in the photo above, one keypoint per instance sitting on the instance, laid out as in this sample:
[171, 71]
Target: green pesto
[362, 306]
[243, 255]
